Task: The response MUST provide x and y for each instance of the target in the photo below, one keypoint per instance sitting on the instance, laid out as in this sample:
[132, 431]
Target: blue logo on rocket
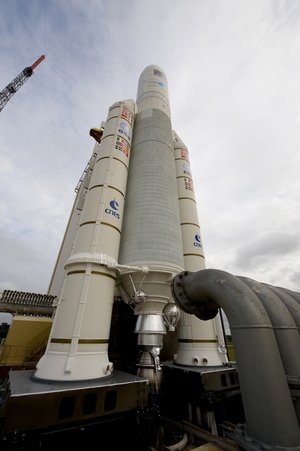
[197, 241]
[125, 130]
[114, 206]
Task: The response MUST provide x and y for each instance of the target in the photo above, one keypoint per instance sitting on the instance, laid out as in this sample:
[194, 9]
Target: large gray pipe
[290, 301]
[286, 331]
[295, 295]
[270, 416]
[284, 326]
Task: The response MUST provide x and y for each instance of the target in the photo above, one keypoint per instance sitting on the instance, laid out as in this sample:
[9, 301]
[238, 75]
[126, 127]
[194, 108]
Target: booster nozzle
[171, 316]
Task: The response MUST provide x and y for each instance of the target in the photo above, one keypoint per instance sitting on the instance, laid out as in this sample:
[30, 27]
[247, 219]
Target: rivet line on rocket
[190, 223]
[99, 273]
[110, 225]
[155, 140]
[114, 158]
[103, 158]
[121, 162]
[87, 222]
[81, 341]
[194, 255]
[61, 340]
[76, 272]
[109, 135]
[159, 94]
[116, 189]
[181, 159]
[96, 186]
[108, 186]
[185, 198]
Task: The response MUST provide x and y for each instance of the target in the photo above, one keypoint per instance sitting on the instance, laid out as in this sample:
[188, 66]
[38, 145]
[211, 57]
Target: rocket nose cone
[152, 68]
[153, 84]
[152, 73]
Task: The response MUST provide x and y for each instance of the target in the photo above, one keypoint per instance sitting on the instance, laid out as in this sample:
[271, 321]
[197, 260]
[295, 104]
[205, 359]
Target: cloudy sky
[233, 71]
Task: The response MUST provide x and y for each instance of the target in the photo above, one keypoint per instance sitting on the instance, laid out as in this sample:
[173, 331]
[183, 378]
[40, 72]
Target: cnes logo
[197, 241]
[113, 210]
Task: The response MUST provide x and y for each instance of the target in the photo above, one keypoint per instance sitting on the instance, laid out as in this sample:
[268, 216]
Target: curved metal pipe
[285, 329]
[269, 412]
[289, 300]
[294, 295]
[284, 326]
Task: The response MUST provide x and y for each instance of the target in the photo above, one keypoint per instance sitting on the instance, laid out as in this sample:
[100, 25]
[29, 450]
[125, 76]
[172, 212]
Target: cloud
[262, 249]
[233, 72]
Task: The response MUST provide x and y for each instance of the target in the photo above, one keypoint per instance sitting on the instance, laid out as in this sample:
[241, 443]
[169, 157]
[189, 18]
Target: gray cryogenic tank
[151, 228]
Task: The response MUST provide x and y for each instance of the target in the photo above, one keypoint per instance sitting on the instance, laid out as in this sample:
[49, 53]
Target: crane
[17, 82]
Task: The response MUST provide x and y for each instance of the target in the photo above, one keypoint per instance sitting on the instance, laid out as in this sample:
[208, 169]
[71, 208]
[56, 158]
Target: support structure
[7, 93]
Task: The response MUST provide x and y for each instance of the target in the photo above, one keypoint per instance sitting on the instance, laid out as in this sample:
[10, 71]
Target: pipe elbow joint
[203, 309]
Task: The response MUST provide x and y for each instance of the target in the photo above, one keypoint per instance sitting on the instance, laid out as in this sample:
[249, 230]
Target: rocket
[78, 341]
[133, 227]
[200, 343]
[151, 234]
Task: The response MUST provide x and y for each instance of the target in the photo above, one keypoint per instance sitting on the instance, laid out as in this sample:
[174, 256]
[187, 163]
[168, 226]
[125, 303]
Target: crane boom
[17, 82]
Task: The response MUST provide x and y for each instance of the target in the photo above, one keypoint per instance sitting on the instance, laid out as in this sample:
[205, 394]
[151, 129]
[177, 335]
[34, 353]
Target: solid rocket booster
[151, 233]
[191, 237]
[77, 348]
[200, 343]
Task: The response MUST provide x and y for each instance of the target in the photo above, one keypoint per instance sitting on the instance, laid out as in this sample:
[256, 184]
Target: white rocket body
[67, 244]
[78, 342]
[200, 343]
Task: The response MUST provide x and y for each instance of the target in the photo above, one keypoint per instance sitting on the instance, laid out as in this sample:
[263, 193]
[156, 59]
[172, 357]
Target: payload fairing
[133, 227]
